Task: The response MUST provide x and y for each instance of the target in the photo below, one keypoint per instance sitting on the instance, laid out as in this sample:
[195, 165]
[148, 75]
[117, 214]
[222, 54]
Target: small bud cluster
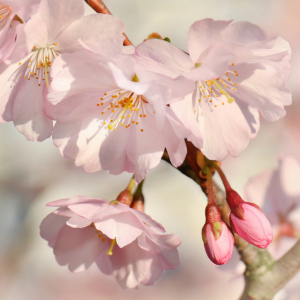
[246, 220]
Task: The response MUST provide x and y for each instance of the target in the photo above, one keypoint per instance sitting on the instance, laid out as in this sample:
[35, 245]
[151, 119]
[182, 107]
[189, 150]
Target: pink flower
[12, 13]
[248, 221]
[113, 115]
[54, 30]
[277, 191]
[120, 240]
[218, 248]
[237, 70]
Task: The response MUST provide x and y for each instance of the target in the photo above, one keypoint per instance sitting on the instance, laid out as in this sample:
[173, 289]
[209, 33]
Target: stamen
[230, 99]
[109, 252]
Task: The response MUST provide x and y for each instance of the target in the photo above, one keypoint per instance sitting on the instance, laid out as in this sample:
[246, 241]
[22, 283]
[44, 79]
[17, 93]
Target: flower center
[4, 14]
[125, 108]
[213, 90]
[39, 61]
[104, 239]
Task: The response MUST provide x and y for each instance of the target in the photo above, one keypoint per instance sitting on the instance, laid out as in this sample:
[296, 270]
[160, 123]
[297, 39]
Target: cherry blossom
[54, 30]
[113, 115]
[277, 192]
[122, 241]
[237, 71]
[12, 14]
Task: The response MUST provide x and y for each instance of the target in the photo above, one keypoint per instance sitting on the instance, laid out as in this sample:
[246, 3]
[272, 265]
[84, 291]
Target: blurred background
[33, 174]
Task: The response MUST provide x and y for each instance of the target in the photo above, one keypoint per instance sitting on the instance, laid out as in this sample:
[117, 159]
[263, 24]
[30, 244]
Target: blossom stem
[223, 177]
[131, 184]
[100, 7]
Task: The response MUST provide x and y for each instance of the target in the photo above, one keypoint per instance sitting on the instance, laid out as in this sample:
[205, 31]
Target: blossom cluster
[117, 108]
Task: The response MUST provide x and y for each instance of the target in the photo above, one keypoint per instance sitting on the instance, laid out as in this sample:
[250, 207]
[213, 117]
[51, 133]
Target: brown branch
[264, 277]
[99, 7]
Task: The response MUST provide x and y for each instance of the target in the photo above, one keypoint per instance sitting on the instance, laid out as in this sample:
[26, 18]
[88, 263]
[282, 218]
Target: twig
[99, 7]
[264, 277]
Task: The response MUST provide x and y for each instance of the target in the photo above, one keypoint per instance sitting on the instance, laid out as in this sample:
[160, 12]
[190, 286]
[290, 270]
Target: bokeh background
[33, 174]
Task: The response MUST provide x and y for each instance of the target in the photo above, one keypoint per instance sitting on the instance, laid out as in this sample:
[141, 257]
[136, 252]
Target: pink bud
[218, 242]
[253, 227]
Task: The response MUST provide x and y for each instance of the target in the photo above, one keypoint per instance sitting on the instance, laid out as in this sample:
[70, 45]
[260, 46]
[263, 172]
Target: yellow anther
[102, 103]
[20, 63]
[144, 116]
[103, 113]
[215, 105]
[232, 64]
[98, 104]
[229, 99]
[100, 235]
[55, 44]
[142, 130]
[104, 123]
[103, 239]
[105, 94]
[112, 111]
[136, 123]
[111, 120]
[122, 124]
[223, 103]
[129, 116]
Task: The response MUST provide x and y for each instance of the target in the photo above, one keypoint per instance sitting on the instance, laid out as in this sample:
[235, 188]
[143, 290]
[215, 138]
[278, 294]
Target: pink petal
[108, 30]
[78, 248]
[164, 58]
[58, 15]
[203, 35]
[28, 113]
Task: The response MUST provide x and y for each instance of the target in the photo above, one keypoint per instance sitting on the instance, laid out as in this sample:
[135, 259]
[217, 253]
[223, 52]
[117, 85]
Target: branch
[99, 7]
[264, 277]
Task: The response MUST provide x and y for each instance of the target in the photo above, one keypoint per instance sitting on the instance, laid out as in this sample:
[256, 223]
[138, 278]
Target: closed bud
[138, 202]
[125, 197]
[248, 221]
[218, 249]
[217, 238]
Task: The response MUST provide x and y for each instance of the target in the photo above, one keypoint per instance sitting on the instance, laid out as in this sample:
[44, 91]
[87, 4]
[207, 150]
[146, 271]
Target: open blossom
[122, 242]
[113, 115]
[12, 14]
[54, 30]
[277, 191]
[237, 71]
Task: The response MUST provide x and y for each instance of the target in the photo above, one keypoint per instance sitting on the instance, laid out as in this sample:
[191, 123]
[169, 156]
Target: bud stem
[210, 187]
[223, 177]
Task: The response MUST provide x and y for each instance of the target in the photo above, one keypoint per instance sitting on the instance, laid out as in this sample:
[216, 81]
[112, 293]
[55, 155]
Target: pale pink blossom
[277, 191]
[54, 30]
[122, 242]
[218, 249]
[248, 221]
[12, 14]
[113, 115]
[237, 71]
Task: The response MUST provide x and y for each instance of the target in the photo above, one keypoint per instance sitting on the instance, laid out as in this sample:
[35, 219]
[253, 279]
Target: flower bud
[138, 202]
[125, 197]
[217, 238]
[248, 221]
[218, 249]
